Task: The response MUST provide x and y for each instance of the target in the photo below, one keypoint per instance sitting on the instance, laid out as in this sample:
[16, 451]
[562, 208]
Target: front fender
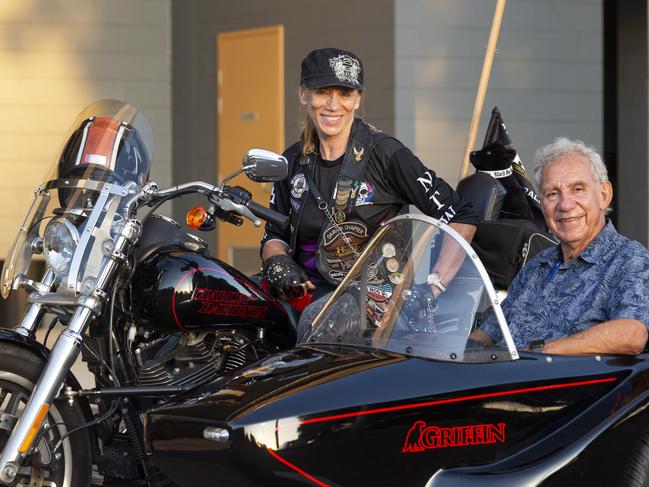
[31, 345]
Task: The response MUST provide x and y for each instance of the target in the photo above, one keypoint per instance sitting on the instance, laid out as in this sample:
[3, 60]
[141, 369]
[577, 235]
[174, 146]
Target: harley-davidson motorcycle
[151, 313]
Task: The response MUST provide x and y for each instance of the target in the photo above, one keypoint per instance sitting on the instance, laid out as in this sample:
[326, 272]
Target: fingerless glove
[284, 276]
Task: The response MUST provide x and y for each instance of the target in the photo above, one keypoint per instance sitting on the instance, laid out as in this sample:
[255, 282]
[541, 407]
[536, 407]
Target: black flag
[499, 159]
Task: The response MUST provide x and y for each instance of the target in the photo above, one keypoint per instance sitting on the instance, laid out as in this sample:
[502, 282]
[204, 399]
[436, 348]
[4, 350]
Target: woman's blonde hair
[309, 136]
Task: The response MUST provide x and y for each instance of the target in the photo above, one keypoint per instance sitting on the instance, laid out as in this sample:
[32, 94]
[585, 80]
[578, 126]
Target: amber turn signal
[196, 216]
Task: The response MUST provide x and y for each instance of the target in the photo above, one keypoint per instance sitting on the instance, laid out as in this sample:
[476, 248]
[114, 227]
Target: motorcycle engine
[186, 359]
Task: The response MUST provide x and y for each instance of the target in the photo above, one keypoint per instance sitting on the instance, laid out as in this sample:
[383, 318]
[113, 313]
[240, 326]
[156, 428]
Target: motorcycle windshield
[78, 209]
[389, 299]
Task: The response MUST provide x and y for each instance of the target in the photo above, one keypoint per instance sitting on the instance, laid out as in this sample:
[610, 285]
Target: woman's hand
[285, 277]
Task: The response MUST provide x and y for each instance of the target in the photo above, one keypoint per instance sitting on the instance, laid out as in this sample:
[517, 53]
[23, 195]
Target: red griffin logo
[422, 437]
[227, 303]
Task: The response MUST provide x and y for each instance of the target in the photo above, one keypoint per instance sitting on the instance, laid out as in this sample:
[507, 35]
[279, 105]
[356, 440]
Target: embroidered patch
[298, 185]
[337, 254]
[346, 68]
[379, 292]
[364, 194]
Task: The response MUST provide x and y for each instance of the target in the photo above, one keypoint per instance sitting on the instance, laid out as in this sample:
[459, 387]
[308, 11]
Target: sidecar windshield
[77, 210]
[417, 289]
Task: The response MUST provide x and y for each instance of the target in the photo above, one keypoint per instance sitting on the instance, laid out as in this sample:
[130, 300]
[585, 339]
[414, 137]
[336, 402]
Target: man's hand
[482, 337]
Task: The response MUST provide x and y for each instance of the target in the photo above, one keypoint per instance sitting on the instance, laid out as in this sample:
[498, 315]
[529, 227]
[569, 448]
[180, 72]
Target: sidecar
[389, 388]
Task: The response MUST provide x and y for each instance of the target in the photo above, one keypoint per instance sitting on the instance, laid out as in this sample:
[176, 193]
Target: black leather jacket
[391, 177]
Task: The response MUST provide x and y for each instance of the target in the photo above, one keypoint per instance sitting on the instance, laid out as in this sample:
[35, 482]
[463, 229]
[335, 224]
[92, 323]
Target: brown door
[250, 111]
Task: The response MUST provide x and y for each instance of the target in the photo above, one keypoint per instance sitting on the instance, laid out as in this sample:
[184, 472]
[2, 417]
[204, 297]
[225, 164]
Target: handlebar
[269, 215]
[236, 203]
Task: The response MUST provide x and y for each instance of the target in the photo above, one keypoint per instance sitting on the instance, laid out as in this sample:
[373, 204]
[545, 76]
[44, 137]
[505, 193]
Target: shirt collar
[592, 253]
[599, 245]
[552, 255]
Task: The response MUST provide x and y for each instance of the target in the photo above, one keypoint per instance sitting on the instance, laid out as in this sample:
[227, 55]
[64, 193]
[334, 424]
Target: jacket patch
[337, 254]
[364, 194]
[298, 185]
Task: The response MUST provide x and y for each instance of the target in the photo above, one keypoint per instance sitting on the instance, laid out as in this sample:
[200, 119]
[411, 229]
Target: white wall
[546, 80]
[56, 57]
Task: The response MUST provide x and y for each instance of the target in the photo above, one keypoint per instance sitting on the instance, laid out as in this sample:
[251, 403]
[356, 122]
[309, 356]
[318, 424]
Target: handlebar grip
[269, 215]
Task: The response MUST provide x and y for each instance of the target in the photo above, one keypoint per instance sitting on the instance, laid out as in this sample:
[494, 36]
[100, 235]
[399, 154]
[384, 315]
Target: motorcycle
[152, 314]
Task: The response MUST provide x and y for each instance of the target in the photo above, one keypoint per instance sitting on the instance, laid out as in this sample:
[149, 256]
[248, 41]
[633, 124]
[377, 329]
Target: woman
[345, 178]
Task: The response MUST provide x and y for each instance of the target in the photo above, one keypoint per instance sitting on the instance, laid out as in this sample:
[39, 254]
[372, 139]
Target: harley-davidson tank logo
[422, 437]
[227, 303]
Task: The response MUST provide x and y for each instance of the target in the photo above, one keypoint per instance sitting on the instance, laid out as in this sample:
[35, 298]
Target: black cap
[332, 67]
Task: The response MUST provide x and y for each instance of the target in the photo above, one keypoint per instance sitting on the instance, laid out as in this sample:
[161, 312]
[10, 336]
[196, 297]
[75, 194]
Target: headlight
[59, 243]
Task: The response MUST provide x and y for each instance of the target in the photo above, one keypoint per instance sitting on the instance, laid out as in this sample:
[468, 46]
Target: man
[589, 295]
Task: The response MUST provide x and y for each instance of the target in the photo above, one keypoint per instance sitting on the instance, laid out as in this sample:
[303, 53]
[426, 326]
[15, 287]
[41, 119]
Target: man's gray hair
[561, 146]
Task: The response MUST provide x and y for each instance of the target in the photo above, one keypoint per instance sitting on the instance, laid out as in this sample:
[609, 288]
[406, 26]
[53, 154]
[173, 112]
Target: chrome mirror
[262, 165]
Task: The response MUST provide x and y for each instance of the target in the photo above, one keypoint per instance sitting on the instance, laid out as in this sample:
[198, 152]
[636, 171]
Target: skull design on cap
[346, 68]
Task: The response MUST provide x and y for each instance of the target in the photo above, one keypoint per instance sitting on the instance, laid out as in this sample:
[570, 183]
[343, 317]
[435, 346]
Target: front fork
[63, 355]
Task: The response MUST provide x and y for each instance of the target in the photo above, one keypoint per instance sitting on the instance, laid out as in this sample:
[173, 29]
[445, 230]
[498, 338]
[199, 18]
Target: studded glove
[419, 308]
[284, 276]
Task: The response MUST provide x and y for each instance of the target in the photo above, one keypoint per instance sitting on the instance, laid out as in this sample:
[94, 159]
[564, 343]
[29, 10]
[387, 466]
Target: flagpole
[482, 86]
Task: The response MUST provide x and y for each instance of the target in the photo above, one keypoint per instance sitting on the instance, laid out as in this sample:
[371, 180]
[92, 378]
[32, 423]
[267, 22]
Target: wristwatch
[433, 279]
[537, 346]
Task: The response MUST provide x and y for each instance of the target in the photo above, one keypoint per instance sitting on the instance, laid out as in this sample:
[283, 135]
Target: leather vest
[336, 254]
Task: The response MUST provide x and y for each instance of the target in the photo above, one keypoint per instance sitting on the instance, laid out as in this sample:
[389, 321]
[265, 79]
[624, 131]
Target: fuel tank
[177, 285]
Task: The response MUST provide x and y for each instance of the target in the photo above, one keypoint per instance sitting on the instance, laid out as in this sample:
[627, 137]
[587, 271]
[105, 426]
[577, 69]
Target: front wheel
[71, 464]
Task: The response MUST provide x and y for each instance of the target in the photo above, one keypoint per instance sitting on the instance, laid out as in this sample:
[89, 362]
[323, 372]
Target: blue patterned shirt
[548, 299]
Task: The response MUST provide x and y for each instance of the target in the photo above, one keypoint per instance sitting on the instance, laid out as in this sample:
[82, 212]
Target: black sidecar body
[389, 388]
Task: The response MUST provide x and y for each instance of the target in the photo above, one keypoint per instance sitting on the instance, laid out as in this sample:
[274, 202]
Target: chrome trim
[118, 138]
[215, 195]
[72, 230]
[82, 145]
[234, 175]
[32, 317]
[78, 257]
[58, 420]
[93, 302]
[37, 246]
[194, 186]
[58, 299]
[30, 285]
[63, 355]
[219, 435]
[88, 184]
